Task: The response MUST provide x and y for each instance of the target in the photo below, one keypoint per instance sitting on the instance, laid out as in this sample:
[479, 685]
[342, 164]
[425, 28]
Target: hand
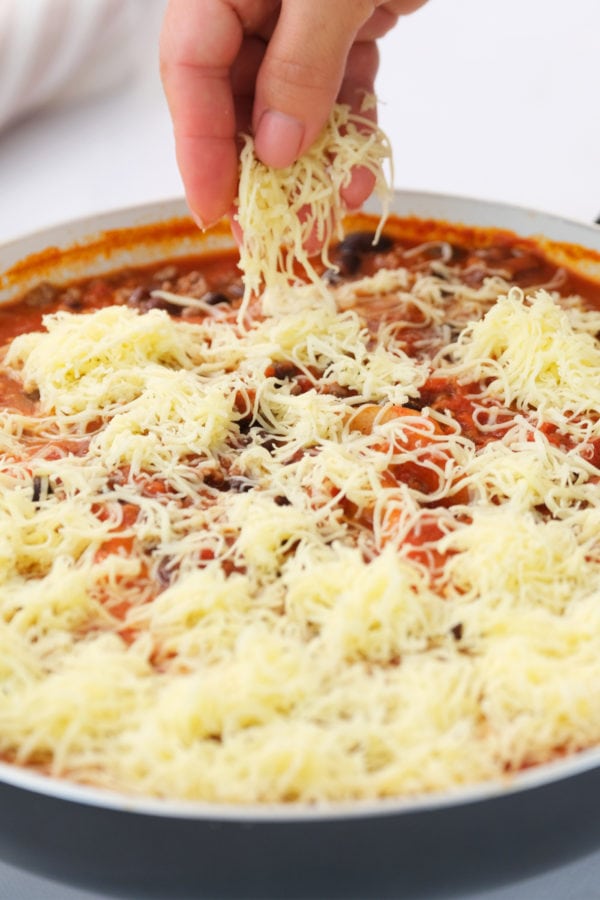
[275, 68]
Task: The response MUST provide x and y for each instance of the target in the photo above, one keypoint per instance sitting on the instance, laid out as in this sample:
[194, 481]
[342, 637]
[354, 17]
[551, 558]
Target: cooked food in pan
[346, 546]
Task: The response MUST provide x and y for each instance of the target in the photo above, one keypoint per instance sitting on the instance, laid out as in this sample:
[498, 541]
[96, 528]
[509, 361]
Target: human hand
[269, 67]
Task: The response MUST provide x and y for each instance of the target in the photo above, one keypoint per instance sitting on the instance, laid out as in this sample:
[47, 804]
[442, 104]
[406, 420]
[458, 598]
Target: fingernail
[199, 222]
[204, 224]
[278, 138]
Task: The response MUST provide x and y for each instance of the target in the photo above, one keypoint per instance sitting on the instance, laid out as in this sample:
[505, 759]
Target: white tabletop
[494, 100]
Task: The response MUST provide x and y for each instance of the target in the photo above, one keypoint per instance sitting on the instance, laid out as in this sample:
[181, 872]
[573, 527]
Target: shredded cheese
[368, 603]
[281, 211]
[534, 356]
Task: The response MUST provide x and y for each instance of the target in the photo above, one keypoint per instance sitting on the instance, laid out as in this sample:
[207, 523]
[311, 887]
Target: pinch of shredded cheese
[281, 210]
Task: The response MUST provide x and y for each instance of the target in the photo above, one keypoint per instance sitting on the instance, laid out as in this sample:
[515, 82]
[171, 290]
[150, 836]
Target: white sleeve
[52, 51]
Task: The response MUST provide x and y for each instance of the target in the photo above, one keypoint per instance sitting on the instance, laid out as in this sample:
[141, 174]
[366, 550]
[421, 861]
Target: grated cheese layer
[236, 566]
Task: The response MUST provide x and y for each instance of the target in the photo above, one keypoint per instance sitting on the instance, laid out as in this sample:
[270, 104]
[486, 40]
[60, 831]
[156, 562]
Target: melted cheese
[309, 638]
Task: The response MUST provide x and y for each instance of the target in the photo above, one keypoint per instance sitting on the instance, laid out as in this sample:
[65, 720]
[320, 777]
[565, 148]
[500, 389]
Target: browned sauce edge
[165, 234]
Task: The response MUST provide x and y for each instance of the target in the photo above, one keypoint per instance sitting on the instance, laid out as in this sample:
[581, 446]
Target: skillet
[427, 847]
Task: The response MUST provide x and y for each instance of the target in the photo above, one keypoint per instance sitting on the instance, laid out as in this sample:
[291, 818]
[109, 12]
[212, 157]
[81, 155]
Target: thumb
[301, 74]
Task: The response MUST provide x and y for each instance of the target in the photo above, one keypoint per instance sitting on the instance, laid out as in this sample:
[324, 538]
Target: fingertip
[278, 139]
[206, 209]
[202, 225]
[359, 188]
[209, 169]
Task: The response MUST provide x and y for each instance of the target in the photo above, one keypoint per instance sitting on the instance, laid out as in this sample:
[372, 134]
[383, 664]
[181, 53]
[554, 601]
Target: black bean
[41, 488]
[213, 298]
[245, 424]
[37, 489]
[415, 403]
[160, 303]
[214, 479]
[350, 251]
[141, 298]
[457, 631]
[220, 482]
[138, 295]
[338, 390]
[284, 369]
[364, 242]
[165, 571]
[270, 443]
[71, 299]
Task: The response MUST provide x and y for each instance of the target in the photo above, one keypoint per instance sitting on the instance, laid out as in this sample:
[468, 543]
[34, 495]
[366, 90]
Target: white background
[496, 99]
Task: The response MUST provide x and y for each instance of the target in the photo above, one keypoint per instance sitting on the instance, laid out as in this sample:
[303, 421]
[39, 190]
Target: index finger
[199, 43]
